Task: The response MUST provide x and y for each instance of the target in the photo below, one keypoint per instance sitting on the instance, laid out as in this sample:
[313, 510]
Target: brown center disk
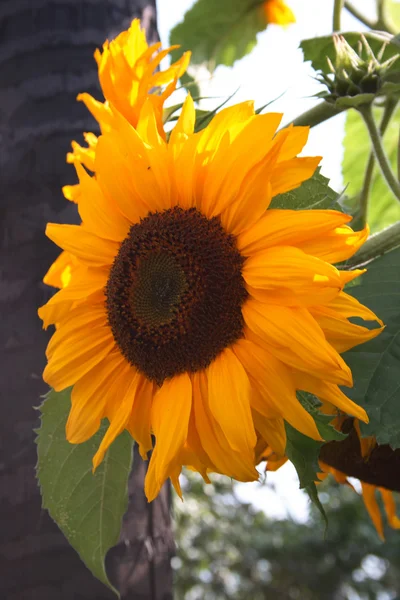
[175, 293]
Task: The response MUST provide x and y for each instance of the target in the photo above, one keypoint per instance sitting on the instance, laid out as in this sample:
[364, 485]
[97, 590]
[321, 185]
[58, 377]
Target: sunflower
[194, 314]
[276, 11]
[369, 490]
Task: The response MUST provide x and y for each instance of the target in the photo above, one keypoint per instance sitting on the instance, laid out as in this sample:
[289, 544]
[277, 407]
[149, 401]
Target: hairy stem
[337, 13]
[378, 150]
[365, 191]
[377, 245]
[318, 114]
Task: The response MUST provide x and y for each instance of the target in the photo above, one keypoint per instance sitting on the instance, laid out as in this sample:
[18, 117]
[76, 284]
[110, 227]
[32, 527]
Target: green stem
[380, 9]
[365, 191]
[320, 113]
[364, 194]
[398, 157]
[384, 22]
[337, 13]
[378, 150]
[378, 244]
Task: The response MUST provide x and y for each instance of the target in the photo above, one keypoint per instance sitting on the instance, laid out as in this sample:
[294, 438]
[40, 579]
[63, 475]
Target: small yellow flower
[195, 314]
[276, 11]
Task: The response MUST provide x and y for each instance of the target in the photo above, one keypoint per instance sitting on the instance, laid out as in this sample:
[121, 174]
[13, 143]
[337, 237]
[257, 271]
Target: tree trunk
[46, 58]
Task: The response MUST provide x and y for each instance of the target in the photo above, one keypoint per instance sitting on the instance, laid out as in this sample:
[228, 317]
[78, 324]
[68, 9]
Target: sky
[273, 68]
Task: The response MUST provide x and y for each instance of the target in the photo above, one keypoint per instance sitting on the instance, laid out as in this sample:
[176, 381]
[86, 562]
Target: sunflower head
[195, 312]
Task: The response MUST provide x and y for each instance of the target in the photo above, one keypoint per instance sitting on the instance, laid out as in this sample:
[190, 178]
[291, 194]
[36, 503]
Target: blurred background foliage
[229, 549]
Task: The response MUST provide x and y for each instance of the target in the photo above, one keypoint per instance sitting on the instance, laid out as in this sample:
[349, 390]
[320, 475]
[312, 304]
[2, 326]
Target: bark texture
[46, 58]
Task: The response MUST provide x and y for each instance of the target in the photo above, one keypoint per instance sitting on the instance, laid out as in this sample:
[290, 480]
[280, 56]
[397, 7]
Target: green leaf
[393, 8]
[187, 81]
[303, 452]
[376, 364]
[323, 422]
[219, 32]
[384, 208]
[313, 493]
[87, 507]
[317, 50]
[312, 194]
[354, 101]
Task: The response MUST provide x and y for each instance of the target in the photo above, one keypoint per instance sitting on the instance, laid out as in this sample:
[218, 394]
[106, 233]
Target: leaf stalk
[378, 150]
[378, 244]
[337, 13]
[365, 191]
[318, 114]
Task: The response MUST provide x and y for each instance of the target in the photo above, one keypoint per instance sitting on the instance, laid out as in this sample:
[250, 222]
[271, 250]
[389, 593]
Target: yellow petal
[99, 215]
[72, 192]
[185, 124]
[371, 504]
[99, 110]
[289, 174]
[276, 386]
[229, 394]
[295, 140]
[120, 420]
[194, 446]
[83, 155]
[339, 332]
[390, 508]
[139, 424]
[213, 440]
[280, 227]
[337, 245]
[170, 420]
[347, 306]
[77, 320]
[295, 338]
[147, 125]
[283, 268]
[272, 430]
[282, 296]
[115, 177]
[230, 118]
[347, 276]
[76, 357]
[60, 273]
[86, 246]
[330, 392]
[245, 152]
[88, 398]
[85, 283]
